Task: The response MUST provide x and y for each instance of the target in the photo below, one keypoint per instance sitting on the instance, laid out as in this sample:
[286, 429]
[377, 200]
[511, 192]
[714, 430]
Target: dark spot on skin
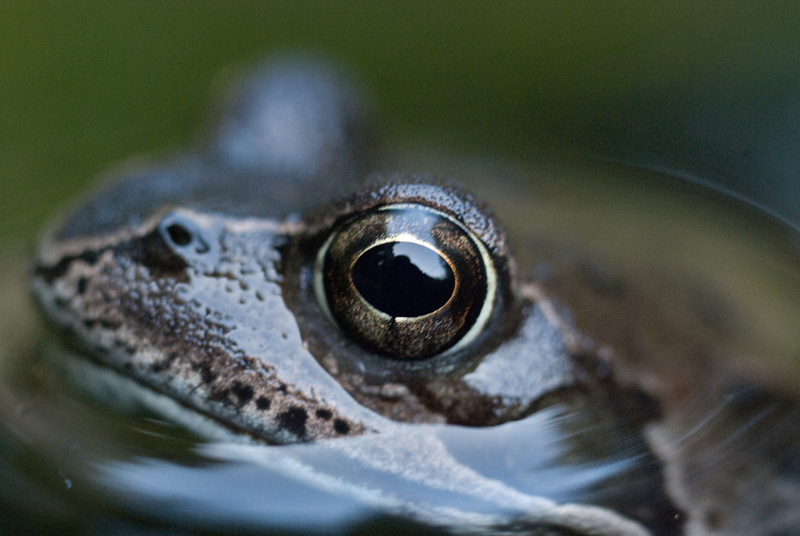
[324, 414]
[263, 403]
[103, 323]
[341, 427]
[204, 368]
[58, 270]
[129, 349]
[243, 392]
[82, 283]
[90, 257]
[110, 324]
[294, 420]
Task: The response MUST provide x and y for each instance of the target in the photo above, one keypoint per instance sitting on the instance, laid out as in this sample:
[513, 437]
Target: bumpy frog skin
[191, 283]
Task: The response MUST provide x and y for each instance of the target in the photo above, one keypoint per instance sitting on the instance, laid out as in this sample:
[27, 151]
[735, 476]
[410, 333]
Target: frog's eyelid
[420, 190]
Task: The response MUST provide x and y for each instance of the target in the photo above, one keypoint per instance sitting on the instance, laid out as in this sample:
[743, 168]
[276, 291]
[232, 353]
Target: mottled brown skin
[124, 302]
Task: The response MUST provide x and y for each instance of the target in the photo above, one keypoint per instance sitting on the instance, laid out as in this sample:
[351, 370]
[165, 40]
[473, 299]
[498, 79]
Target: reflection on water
[691, 298]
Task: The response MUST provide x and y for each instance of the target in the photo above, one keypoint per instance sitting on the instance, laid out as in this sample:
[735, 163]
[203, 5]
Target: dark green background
[705, 87]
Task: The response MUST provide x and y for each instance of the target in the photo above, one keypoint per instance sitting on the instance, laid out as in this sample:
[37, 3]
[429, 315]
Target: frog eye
[406, 281]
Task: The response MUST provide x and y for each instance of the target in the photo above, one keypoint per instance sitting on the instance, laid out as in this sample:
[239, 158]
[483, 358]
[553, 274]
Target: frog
[282, 290]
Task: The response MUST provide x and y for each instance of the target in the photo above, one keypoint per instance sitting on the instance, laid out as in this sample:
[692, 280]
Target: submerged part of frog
[268, 288]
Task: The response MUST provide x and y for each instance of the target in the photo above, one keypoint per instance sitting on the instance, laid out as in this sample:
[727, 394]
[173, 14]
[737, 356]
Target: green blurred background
[703, 87]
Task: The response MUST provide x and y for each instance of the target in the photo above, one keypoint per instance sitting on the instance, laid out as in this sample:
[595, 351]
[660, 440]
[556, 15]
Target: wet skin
[221, 283]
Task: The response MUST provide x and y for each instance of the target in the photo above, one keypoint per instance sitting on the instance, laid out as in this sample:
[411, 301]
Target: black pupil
[403, 279]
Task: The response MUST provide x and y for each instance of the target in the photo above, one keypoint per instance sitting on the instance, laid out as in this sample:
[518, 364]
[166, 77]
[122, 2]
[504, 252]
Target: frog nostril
[179, 234]
[172, 245]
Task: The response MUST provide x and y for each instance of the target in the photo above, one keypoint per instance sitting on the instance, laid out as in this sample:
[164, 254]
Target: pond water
[690, 295]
